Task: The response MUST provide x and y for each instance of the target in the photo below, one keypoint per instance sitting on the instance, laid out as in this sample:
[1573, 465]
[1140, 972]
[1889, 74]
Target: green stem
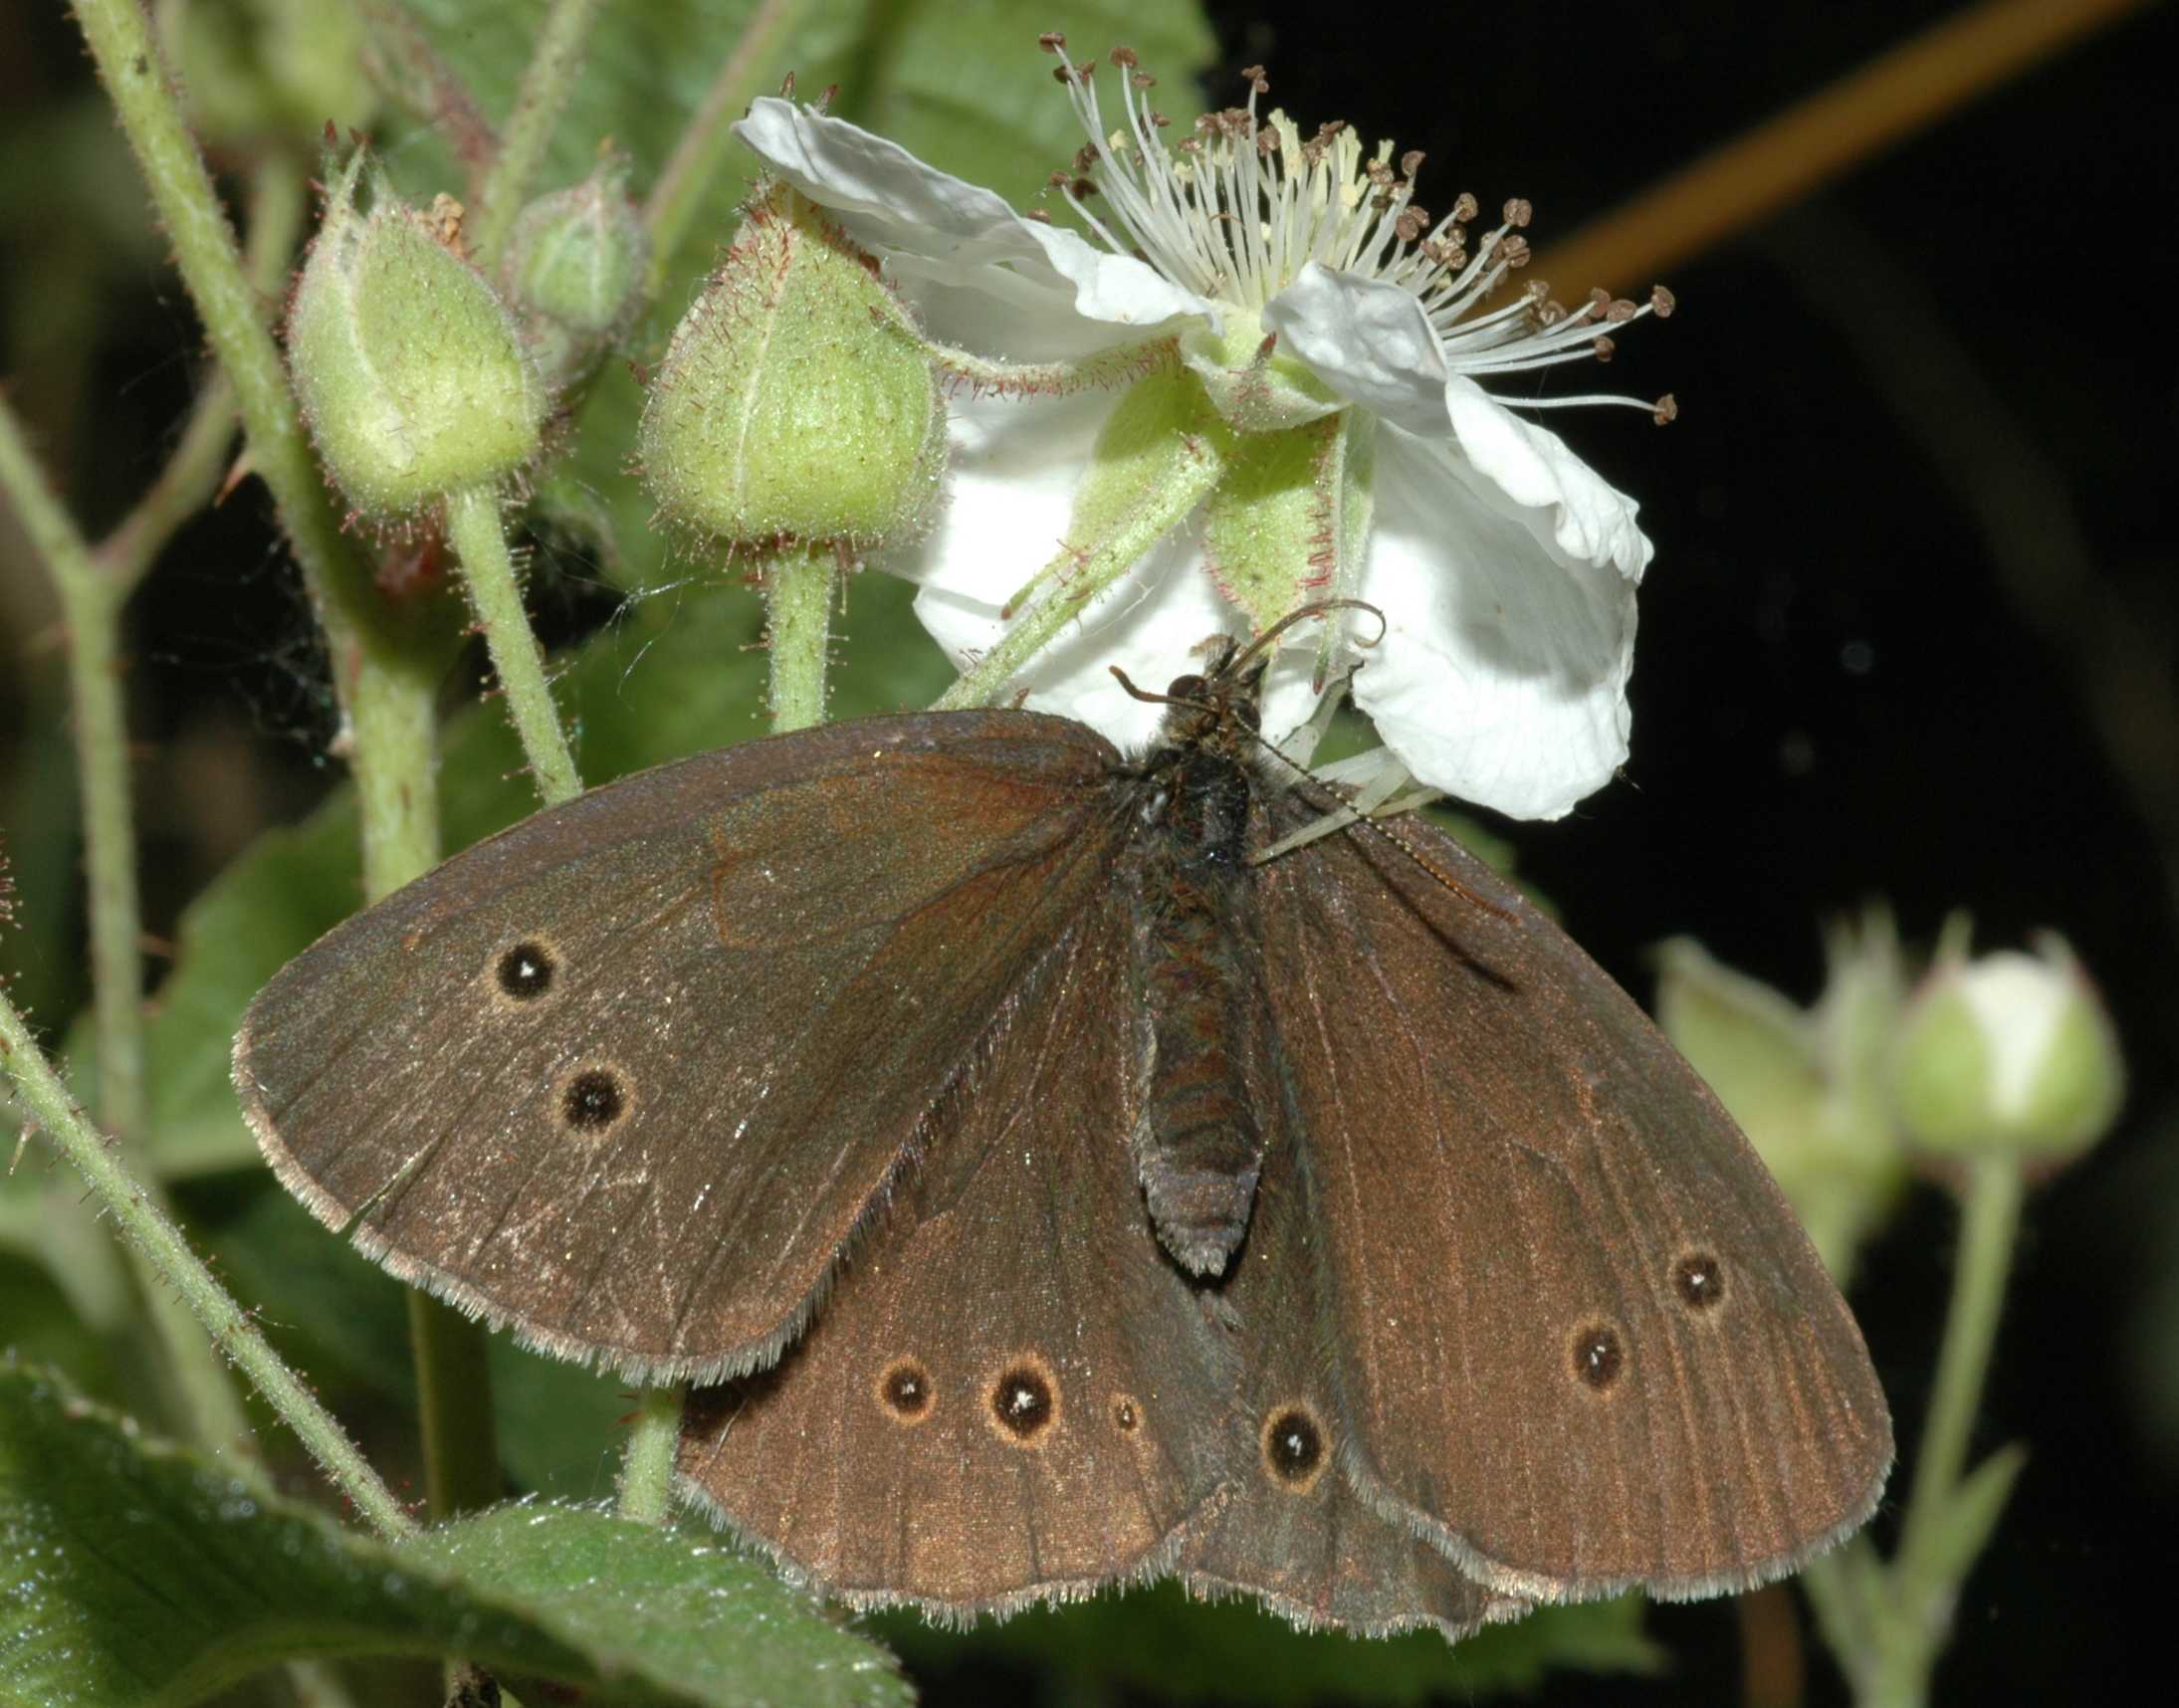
[1914, 1615]
[387, 659]
[454, 1407]
[199, 460]
[798, 585]
[646, 1472]
[189, 211]
[678, 195]
[140, 1221]
[396, 727]
[393, 754]
[92, 603]
[1077, 577]
[555, 64]
[473, 528]
[1989, 1227]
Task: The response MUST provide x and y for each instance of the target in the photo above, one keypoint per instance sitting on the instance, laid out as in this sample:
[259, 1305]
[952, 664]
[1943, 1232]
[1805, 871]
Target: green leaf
[964, 85]
[135, 1574]
[666, 1605]
[1161, 1640]
[1963, 1528]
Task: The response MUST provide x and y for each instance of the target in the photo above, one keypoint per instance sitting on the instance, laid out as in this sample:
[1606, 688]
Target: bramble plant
[580, 322]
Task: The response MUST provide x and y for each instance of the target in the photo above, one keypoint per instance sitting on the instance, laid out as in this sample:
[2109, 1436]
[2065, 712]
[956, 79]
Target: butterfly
[1057, 1170]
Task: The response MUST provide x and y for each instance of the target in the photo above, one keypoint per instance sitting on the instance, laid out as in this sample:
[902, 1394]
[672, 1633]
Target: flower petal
[943, 228]
[1369, 341]
[1015, 466]
[1588, 521]
[1502, 675]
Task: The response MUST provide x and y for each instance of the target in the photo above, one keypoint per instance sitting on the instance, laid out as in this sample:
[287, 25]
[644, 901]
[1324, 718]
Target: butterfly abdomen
[1199, 964]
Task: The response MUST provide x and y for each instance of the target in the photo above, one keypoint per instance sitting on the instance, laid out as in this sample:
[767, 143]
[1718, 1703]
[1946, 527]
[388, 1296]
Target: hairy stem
[92, 604]
[192, 473]
[555, 64]
[150, 1231]
[798, 586]
[678, 195]
[473, 528]
[646, 1471]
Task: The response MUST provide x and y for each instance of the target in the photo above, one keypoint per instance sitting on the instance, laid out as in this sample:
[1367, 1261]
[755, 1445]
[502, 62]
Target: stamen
[1235, 211]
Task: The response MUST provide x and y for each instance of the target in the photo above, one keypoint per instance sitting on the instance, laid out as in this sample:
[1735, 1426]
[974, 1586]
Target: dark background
[1910, 631]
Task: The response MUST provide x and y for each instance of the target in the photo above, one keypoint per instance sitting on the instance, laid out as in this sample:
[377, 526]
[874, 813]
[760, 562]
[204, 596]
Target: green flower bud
[1806, 1084]
[574, 269]
[269, 70]
[2012, 1054]
[410, 370]
[792, 402]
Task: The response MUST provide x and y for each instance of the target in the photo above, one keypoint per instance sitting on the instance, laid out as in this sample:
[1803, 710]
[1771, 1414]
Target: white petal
[1502, 675]
[1369, 341]
[941, 227]
[1584, 519]
[1015, 466]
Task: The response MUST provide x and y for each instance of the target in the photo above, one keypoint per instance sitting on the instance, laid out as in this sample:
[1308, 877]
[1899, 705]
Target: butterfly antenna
[1339, 813]
[1302, 615]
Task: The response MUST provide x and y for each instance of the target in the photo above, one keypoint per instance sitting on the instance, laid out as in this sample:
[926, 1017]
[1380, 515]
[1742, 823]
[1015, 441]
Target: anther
[1667, 411]
[1518, 212]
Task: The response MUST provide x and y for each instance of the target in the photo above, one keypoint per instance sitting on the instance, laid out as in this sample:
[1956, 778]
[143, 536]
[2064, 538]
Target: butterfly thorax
[1198, 962]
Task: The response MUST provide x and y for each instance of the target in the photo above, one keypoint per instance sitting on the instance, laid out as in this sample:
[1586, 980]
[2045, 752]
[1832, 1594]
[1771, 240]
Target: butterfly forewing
[630, 1075]
[1583, 1341]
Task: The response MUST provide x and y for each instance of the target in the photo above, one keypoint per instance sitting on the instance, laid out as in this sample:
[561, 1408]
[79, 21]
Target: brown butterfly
[1060, 1194]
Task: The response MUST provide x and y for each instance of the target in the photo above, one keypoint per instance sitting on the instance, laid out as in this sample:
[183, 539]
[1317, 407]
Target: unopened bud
[574, 269]
[410, 370]
[792, 402]
[2009, 1054]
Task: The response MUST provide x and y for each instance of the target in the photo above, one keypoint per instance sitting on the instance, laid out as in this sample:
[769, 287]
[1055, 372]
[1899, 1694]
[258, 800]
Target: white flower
[1270, 367]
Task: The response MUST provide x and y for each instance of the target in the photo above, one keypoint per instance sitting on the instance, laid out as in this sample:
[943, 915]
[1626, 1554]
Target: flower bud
[574, 269]
[793, 403]
[410, 370]
[1807, 1086]
[2011, 1054]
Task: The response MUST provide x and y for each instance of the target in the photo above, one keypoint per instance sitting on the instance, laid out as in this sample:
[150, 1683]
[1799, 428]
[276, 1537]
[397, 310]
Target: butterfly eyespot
[1599, 1358]
[525, 971]
[593, 1101]
[1127, 1416]
[1699, 1280]
[1024, 1403]
[1293, 1447]
[905, 1390]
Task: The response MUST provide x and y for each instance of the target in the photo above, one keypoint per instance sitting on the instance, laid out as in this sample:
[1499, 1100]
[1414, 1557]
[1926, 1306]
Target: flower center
[1234, 212]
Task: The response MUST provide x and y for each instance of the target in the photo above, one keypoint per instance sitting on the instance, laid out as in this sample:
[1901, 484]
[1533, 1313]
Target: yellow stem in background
[1781, 160]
